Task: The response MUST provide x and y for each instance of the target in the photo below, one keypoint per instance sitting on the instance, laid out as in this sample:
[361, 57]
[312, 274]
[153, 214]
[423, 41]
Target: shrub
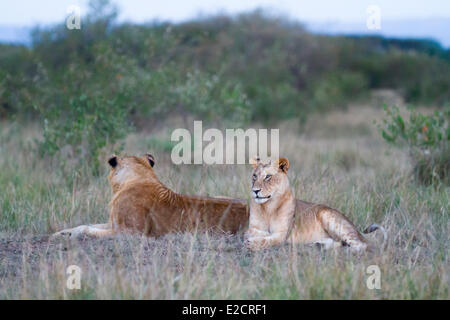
[249, 67]
[85, 128]
[338, 88]
[427, 138]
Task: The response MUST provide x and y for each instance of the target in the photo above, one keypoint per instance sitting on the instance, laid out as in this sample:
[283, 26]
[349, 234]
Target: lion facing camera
[277, 217]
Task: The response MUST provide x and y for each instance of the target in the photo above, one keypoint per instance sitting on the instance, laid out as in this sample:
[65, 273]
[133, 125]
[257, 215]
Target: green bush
[105, 79]
[338, 88]
[88, 126]
[427, 138]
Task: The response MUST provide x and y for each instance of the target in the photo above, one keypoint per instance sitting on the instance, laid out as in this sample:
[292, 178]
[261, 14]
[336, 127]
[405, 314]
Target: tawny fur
[277, 217]
[142, 204]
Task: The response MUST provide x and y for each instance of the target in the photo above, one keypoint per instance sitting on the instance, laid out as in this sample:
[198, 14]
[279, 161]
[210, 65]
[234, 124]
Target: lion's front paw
[71, 233]
[257, 243]
[61, 234]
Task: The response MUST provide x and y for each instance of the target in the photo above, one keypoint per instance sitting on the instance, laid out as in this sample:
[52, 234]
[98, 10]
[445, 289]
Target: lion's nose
[256, 191]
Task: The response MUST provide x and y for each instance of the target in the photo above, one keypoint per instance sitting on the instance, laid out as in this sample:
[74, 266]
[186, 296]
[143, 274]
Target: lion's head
[269, 179]
[124, 169]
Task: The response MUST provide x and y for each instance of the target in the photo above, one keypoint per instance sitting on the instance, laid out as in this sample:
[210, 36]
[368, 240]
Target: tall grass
[358, 174]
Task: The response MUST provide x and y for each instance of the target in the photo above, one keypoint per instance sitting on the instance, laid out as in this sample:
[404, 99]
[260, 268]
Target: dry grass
[339, 161]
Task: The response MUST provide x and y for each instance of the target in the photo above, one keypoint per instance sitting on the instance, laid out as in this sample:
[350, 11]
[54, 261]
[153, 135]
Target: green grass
[359, 175]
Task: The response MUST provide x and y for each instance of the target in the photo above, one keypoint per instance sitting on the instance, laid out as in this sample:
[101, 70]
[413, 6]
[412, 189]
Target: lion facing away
[276, 216]
[142, 204]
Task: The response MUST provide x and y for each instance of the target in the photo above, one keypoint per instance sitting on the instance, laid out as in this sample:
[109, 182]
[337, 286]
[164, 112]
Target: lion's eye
[267, 178]
[254, 177]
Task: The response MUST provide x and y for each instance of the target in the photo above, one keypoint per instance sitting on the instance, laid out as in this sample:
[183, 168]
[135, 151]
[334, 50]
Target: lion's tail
[374, 227]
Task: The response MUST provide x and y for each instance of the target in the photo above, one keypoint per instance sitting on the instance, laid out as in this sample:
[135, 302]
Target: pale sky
[30, 12]
[399, 18]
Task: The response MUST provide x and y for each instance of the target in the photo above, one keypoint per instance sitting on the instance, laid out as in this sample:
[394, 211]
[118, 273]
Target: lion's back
[132, 205]
[219, 213]
[156, 210]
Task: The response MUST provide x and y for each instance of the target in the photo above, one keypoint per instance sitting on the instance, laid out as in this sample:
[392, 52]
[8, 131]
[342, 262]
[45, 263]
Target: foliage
[426, 136]
[108, 78]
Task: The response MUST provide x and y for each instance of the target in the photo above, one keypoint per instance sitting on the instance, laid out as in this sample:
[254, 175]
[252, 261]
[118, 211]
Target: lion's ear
[150, 159]
[255, 161]
[113, 161]
[283, 164]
